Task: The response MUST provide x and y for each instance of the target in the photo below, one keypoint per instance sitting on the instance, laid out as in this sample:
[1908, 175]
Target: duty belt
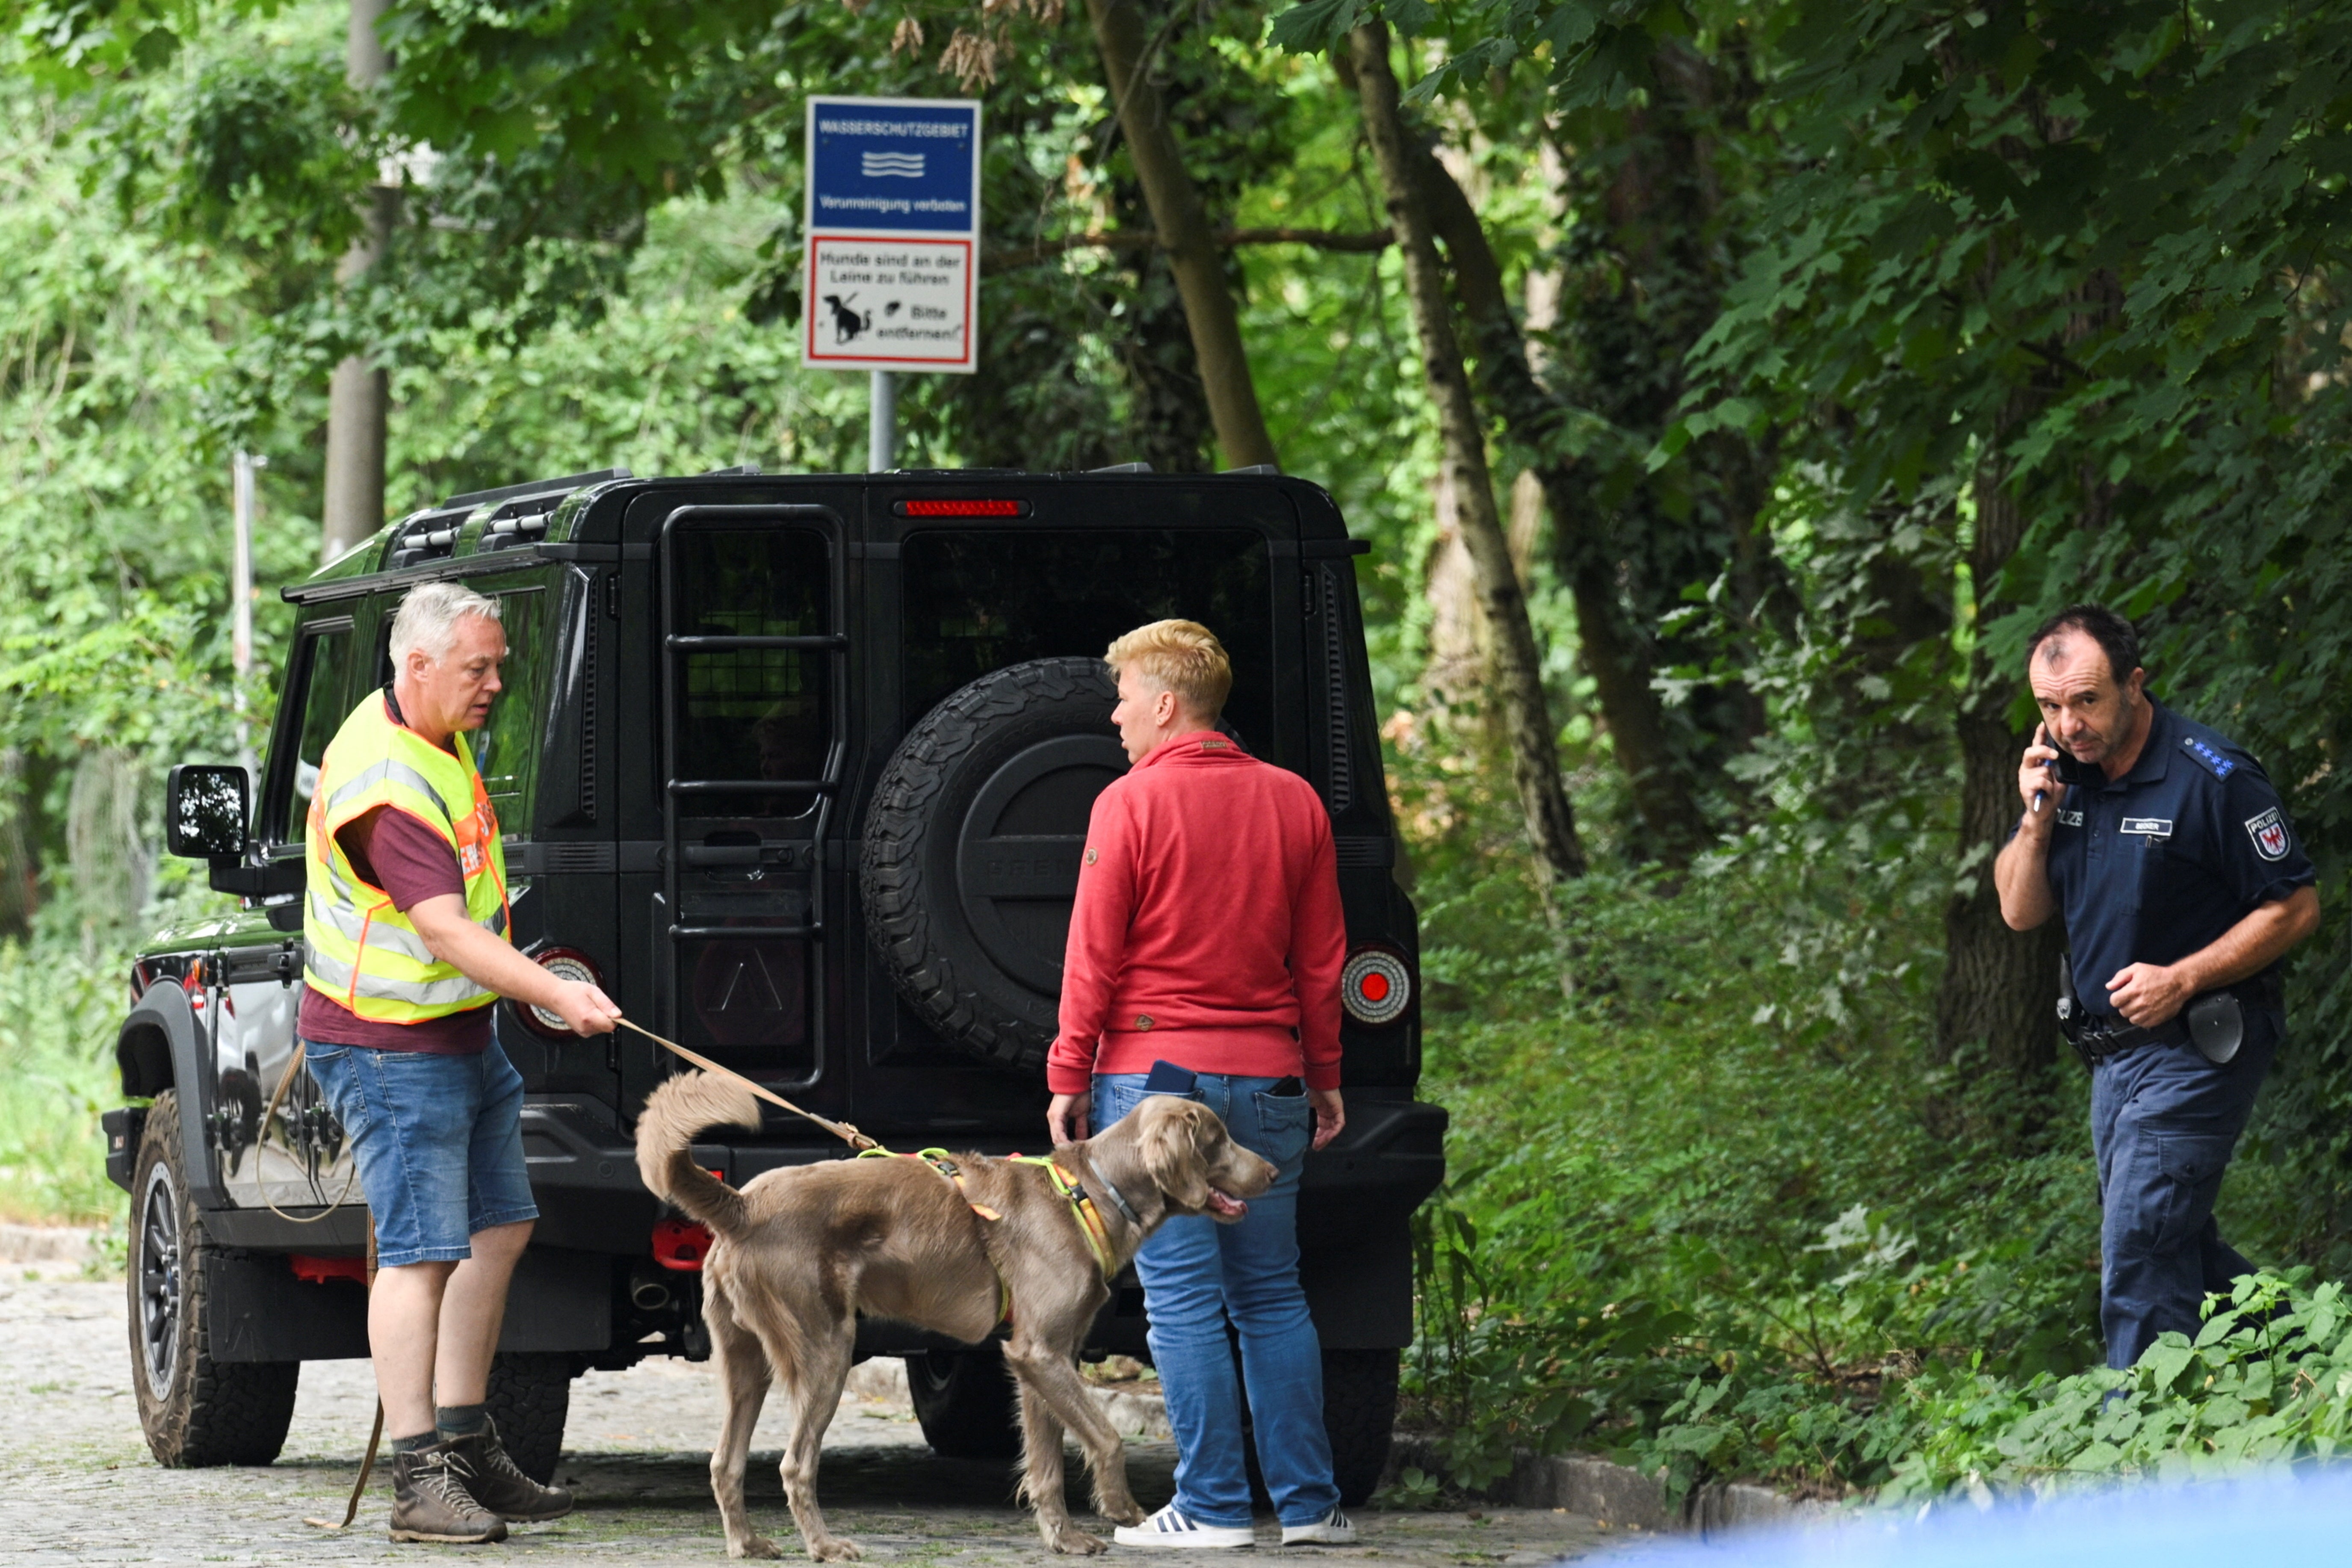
[2100, 1039]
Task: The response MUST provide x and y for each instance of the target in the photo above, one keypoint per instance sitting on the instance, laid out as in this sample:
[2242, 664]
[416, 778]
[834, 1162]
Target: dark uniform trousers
[2164, 1122]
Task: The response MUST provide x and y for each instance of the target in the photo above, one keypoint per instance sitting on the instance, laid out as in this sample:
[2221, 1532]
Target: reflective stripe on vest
[363, 953]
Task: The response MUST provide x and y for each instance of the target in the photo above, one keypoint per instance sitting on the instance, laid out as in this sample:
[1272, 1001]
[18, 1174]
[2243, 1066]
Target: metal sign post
[893, 257]
[240, 592]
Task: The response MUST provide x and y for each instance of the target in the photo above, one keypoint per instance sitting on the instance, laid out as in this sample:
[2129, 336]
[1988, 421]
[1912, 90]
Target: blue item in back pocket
[1166, 1078]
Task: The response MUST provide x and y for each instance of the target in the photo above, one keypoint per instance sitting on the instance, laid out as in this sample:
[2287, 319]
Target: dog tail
[673, 1113]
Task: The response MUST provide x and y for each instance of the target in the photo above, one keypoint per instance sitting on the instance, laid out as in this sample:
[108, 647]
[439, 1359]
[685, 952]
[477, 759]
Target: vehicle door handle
[722, 854]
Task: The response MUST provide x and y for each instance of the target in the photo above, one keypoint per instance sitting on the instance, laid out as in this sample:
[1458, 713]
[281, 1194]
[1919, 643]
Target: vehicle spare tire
[971, 858]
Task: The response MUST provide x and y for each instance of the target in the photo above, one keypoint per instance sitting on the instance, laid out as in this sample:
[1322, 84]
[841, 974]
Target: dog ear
[1170, 1147]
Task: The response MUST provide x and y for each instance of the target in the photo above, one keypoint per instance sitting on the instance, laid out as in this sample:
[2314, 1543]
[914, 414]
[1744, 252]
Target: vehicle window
[507, 748]
[977, 602]
[314, 688]
[751, 713]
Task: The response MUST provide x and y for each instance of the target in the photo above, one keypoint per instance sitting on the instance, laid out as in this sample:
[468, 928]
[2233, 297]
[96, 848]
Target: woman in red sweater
[1204, 956]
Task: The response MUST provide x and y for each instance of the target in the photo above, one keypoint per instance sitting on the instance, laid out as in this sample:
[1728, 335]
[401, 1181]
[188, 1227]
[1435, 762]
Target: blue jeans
[1196, 1275]
[2164, 1122]
[438, 1140]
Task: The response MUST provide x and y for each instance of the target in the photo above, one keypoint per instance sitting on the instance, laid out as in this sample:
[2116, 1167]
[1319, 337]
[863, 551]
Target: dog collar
[1119, 1201]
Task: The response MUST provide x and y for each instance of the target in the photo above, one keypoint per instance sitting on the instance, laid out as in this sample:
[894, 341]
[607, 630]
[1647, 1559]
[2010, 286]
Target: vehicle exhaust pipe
[649, 1295]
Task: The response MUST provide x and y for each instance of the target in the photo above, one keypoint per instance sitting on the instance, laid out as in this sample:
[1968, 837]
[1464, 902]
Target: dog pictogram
[848, 323]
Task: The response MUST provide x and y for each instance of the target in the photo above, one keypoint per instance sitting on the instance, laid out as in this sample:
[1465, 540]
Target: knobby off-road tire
[972, 962]
[966, 1402]
[529, 1400]
[195, 1411]
[1360, 1401]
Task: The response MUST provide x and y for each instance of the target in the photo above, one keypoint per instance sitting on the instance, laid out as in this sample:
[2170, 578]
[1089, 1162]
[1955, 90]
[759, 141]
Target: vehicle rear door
[750, 693]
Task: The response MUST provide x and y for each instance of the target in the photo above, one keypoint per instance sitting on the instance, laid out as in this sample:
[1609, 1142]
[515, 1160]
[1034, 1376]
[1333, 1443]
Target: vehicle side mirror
[205, 812]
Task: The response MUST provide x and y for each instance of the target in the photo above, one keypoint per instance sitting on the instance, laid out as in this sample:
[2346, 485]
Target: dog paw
[755, 1546]
[1072, 1541]
[835, 1551]
[1129, 1512]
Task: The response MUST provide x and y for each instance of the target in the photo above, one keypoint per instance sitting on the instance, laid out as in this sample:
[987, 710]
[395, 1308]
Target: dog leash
[841, 1129]
[1082, 1205]
[375, 1435]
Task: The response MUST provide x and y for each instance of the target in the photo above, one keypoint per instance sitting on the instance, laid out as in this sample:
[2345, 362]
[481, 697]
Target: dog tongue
[1222, 1204]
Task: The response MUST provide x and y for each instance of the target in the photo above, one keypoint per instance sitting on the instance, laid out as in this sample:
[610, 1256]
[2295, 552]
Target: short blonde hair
[1181, 657]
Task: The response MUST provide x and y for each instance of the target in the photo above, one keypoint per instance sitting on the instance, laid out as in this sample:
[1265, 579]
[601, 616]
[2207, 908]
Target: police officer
[2183, 886]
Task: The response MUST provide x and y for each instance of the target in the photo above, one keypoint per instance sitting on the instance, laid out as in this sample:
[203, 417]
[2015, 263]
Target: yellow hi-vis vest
[363, 952]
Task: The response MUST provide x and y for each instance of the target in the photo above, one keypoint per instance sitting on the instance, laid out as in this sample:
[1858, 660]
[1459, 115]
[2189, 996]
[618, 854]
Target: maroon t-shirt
[408, 860]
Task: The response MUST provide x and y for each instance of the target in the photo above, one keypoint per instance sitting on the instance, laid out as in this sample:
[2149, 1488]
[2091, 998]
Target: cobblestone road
[77, 1484]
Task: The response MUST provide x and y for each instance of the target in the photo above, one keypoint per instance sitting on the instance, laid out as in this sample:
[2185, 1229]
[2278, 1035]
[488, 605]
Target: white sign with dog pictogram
[891, 276]
[879, 303]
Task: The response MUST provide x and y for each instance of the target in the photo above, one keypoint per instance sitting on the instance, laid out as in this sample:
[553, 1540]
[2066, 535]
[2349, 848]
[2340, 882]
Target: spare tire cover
[970, 859]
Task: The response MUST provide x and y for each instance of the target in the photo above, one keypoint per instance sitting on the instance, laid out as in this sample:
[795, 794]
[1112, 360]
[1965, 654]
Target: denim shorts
[439, 1144]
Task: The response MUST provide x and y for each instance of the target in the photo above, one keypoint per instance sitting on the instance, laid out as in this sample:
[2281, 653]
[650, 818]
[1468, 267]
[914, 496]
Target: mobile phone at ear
[2068, 771]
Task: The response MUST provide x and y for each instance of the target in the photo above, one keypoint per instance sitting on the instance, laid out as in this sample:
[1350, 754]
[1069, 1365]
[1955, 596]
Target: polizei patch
[2269, 833]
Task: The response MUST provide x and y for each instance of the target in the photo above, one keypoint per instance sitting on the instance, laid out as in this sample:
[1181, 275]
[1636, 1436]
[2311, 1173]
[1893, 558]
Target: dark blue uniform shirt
[2157, 864]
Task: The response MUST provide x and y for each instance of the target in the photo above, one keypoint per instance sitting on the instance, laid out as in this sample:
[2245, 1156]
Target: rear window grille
[1335, 696]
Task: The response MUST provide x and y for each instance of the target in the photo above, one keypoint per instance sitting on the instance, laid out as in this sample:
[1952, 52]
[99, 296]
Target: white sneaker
[1334, 1528]
[1171, 1529]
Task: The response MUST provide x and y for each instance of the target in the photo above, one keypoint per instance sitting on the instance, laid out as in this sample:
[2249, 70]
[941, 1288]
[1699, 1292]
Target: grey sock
[460, 1420]
[410, 1444]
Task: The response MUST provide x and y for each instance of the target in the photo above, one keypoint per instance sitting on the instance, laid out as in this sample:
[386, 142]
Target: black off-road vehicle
[797, 768]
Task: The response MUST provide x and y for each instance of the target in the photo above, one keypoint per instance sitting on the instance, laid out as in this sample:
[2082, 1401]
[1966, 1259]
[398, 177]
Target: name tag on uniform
[2153, 826]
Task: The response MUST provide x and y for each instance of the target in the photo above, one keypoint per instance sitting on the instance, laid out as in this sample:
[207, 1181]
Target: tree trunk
[19, 881]
[1518, 668]
[1615, 653]
[1184, 232]
[104, 846]
[2000, 986]
[358, 394]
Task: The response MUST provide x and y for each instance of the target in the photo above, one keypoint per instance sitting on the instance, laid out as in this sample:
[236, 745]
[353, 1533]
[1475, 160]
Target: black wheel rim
[158, 1265]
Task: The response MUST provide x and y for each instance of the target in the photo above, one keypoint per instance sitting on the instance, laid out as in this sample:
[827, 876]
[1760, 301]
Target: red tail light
[1376, 986]
[564, 963]
[680, 1245]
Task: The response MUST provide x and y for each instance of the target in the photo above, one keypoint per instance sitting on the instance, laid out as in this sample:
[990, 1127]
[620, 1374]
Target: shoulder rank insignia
[2217, 761]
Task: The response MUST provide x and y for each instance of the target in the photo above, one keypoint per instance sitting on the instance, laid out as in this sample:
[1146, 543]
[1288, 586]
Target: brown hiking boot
[431, 1499]
[500, 1485]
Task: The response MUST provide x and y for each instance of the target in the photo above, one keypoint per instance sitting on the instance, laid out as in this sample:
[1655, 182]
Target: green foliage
[2268, 1379]
[58, 1012]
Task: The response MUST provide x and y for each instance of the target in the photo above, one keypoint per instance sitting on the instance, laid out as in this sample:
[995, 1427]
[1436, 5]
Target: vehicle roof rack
[537, 487]
[1122, 468]
[1251, 469]
[727, 473]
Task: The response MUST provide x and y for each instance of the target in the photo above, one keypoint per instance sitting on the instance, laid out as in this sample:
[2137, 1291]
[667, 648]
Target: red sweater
[1207, 929]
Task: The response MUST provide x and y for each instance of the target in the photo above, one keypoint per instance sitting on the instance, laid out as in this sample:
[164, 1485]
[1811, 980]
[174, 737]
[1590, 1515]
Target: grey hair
[428, 617]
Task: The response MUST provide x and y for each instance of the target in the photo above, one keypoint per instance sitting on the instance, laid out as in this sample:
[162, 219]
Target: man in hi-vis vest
[406, 926]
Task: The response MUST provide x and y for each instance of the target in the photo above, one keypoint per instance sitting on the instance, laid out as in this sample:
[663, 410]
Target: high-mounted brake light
[962, 506]
[1375, 986]
[564, 963]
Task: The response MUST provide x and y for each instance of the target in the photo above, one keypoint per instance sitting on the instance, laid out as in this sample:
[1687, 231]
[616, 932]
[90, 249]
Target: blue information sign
[894, 165]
